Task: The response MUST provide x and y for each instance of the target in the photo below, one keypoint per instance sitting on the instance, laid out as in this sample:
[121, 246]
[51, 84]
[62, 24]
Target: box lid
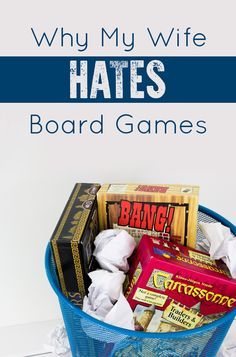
[137, 189]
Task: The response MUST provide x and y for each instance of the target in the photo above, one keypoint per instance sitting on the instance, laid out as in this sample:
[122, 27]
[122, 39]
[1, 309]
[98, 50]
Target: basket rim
[229, 316]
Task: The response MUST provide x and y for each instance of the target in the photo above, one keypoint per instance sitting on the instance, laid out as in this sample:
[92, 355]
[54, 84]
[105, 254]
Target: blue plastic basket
[90, 337]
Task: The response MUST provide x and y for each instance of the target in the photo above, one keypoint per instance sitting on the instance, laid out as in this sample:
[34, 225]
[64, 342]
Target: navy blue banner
[117, 79]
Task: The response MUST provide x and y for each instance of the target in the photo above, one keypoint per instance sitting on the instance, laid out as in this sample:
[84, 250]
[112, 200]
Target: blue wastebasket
[90, 337]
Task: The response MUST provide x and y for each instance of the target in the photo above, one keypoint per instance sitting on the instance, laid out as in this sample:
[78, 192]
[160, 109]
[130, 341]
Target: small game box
[166, 211]
[72, 241]
[172, 287]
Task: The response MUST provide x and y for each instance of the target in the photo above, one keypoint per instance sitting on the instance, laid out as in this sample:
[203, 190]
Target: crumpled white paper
[58, 342]
[112, 248]
[105, 300]
[103, 292]
[222, 244]
[121, 315]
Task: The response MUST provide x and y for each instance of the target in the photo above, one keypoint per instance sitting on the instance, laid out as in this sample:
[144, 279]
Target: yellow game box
[166, 211]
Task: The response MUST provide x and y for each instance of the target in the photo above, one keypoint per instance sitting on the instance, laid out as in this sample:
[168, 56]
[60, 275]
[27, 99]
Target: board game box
[72, 241]
[173, 288]
[166, 211]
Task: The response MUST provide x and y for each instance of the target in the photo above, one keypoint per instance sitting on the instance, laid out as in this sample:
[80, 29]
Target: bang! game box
[166, 211]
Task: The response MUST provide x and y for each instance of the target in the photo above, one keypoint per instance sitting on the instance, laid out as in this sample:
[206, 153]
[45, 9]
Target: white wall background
[38, 172]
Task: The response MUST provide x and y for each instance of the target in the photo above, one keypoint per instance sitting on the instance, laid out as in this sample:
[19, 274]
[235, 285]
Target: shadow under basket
[89, 337]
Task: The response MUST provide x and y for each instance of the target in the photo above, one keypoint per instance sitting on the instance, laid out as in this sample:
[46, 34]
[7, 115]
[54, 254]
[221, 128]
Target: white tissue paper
[222, 244]
[58, 343]
[121, 315]
[112, 248]
[103, 292]
[105, 300]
